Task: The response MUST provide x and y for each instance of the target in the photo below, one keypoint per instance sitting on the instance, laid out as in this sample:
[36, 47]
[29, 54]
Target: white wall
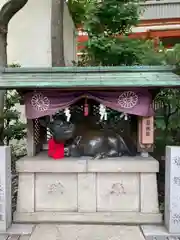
[29, 35]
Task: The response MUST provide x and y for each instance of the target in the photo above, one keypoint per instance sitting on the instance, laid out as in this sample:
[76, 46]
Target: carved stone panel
[25, 200]
[56, 192]
[118, 192]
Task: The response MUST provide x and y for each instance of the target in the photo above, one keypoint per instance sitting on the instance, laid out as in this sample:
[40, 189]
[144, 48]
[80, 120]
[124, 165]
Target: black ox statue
[88, 138]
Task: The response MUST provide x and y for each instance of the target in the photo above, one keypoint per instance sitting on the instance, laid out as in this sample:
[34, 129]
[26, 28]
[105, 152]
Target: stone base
[88, 232]
[120, 190]
[105, 217]
[153, 232]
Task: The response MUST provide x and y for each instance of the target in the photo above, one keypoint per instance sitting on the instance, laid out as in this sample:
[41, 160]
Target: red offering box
[55, 150]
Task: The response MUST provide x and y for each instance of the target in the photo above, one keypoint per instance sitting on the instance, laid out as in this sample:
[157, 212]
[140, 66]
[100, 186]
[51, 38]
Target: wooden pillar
[31, 148]
[145, 135]
[36, 136]
[43, 135]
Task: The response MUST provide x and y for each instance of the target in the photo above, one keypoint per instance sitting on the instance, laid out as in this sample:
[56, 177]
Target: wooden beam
[157, 22]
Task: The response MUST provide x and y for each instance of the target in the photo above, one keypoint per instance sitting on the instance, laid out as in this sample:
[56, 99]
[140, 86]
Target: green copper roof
[73, 77]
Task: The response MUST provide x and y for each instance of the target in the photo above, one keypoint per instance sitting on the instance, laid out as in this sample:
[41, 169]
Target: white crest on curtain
[40, 102]
[128, 99]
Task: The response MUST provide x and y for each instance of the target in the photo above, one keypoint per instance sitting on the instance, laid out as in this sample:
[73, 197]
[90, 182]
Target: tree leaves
[79, 10]
[14, 129]
[108, 24]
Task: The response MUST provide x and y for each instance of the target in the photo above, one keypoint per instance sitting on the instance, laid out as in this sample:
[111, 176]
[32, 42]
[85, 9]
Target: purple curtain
[48, 102]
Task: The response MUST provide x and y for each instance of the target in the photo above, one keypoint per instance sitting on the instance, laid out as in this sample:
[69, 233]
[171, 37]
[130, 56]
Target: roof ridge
[102, 69]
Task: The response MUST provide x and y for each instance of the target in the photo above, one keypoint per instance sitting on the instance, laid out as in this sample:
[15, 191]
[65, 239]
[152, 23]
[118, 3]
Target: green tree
[79, 10]
[167, 101]
[108, 24]
[172, 57]
[106, 20]
[14, 128]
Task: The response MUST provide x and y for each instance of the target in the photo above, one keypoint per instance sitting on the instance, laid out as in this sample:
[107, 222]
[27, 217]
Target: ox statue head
[60, 129]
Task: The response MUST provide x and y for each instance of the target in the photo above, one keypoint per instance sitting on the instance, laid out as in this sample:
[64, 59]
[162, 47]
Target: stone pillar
[171, 230]
[5, 188]
[31, 151]
[172, 190]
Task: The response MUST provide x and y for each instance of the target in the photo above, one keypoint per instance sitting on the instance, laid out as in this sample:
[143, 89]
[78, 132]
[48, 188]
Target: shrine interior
[118, 128]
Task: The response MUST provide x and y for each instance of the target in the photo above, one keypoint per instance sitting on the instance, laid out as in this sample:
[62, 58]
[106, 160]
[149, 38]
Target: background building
[160, 20]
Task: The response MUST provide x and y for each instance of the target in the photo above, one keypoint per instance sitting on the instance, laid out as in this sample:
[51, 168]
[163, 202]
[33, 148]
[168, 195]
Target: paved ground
[73, 232]
[14, 237]
[18, 232]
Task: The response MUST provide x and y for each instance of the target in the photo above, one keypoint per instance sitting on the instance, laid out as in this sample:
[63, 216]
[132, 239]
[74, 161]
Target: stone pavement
[73, 232]
[14, 237]
[18, 232]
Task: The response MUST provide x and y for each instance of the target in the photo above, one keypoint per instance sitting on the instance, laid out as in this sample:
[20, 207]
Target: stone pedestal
[5, 188]
[120, 190]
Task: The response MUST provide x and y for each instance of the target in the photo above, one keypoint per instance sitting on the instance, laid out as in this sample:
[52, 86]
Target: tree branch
[173, 112]
[9, 10]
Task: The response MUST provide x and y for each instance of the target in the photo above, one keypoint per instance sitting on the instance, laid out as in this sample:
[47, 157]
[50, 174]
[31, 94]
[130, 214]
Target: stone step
[86, 232]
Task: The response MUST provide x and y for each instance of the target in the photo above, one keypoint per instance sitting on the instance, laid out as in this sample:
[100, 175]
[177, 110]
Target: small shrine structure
[106, 174]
